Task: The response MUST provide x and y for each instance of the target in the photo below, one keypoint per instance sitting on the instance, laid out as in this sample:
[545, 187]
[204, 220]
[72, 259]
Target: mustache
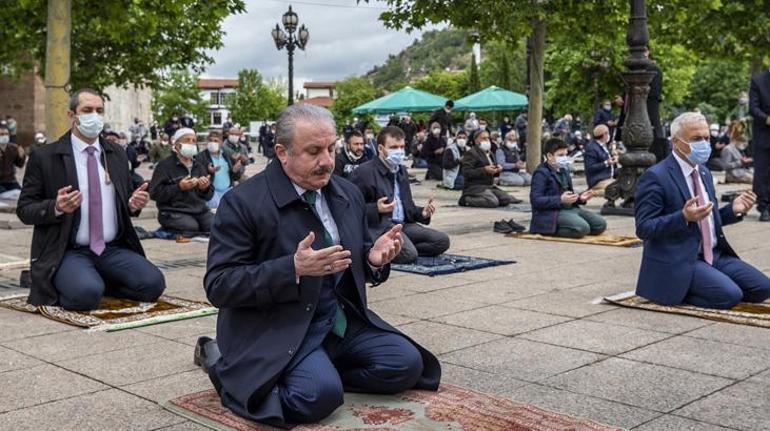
[322, 171]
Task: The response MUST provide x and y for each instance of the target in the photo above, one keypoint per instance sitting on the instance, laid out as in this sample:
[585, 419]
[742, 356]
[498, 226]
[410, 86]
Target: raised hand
[384, 207]
[187, 183]
[744, 202]
[67, 200]
[569, 198]
[386, 248]
[693, 213]
[203, 183]
[317, 263]
[139, 198]
[429, 209]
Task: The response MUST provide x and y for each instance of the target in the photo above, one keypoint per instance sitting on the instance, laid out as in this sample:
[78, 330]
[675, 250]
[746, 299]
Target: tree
[254, 100]
[474, 82]
[451, 85]
[118, 42]
[352, 92]
[179, 94]
[504, 65]
[718, 83]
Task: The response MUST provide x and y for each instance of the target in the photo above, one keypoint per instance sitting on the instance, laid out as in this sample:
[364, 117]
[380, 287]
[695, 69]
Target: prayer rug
[448, 264]
[452, 408]
[115, 314]
[603, 239]
[519, 208]
[743, 314]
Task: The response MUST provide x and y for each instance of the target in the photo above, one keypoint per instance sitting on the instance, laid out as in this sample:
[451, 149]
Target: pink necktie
[95, 228]
[705, 232]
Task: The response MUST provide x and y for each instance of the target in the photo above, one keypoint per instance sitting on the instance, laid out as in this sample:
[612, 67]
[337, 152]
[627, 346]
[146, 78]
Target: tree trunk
[57, 68]
[535, 112]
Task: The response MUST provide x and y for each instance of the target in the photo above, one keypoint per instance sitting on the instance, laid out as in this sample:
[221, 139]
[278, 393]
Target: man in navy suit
[600, 164]
[289, 257]
[686, 256]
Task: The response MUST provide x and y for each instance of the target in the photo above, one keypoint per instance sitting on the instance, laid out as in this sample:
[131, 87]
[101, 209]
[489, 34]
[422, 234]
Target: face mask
[742, 146]
[461, 143]
[4, 139]
[395, 158]
[188, 150]
[213, 147]
[91, 124]
[436, 132]
[233, 139]
[123, 143]
[485, 146]
[699, 152]
[510, 144]
[562, 162]
[483, 127]
[369, 136]
[743, 101]
[40, 141]
[607, 107]
[714, 133]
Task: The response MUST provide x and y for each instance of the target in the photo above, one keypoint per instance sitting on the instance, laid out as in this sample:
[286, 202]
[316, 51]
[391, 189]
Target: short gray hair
[75, 98]
[287, 121]
[686, 118]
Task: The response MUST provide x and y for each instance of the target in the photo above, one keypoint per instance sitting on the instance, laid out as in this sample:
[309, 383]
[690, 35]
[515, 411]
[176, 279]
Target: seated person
[718, 143]
[11, 157]
[432, 152]
[600, 164]
[351, 156]
[294, 330]
[453, 177]
[239, 152]
[84, 245]
[508, 156]
[479, 170]
[224, 173]
[686, 257]
[385, 185]
[555, 205]
[181, 188]
[736, 165]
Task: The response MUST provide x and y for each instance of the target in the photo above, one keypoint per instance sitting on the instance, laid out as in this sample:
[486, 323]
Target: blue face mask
[562, 162]
[699, 152]
[395, 158]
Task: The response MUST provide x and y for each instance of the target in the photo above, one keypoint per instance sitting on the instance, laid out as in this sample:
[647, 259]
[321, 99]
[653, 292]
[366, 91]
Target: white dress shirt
[324, 212]
[109, 212]
[687, 171]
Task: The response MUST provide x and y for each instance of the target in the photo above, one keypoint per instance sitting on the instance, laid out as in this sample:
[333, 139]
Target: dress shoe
[515, 226]
[516, 200]
[765, 216]
[206, 353]
[502, 226]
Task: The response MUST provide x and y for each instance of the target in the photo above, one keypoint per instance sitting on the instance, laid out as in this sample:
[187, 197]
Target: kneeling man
[686, 256]
[289, 257]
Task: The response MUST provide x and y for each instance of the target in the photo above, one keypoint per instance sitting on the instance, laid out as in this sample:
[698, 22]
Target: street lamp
[287, 39]
[637, 130]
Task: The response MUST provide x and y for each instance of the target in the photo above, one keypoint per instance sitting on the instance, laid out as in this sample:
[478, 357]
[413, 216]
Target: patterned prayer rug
[116, 314]
[452, 408]
[743, 313]
[603, 239]
[448, 264]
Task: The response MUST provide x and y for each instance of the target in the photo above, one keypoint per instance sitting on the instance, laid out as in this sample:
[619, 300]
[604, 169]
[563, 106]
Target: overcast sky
[345, 40]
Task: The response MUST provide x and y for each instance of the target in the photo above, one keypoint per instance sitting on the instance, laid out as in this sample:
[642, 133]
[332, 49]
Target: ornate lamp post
[637, 130]
[291, 41]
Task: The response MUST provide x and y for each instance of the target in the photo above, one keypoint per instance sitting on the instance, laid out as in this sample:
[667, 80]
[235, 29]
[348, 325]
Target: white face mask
[90, 124]
[5, 139]
[562, 162]
[436, 132]
[482, 127]
[188, 150]
[510, 144]
[233, 139]
[213, 147]
[461, 143]
[369, 136]
[485, 146]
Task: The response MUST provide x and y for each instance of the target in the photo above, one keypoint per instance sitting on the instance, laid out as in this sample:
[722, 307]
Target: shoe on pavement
[502, 226]
[515, 226]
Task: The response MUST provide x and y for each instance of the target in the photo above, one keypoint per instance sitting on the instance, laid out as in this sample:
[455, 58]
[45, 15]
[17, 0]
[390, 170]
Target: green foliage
[452, 85]
[254, 100]
[179, 94]
[118, 42]
[718, 83]
[504, 64]
[352, 92]
[474, 82]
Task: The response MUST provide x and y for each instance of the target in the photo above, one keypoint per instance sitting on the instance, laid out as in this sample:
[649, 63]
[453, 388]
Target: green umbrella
[492, 99]
[406, 99]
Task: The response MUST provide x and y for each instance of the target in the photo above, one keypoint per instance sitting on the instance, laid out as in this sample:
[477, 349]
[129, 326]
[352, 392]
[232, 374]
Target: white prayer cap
[181, 132]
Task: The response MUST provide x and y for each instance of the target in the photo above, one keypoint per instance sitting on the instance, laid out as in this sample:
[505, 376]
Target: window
[217, 119]
[214, 95]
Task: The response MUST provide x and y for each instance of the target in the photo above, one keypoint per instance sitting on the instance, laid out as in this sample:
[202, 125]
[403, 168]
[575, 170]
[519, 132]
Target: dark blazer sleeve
[163, 188]
[472, 167]
[19, 162]
[33, 207]
[539, 196]
[754, 102]
[594, 162]
[449, 161]
[362, 179]
[233, 279]
[651, 222]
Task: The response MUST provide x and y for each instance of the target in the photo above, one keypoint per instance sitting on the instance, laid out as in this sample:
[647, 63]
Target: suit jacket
[264, 315]
[476, 179]
[671, 244]
[594, 159]
[50, 168]
[375, 181]
[759, 107]
[545, 196]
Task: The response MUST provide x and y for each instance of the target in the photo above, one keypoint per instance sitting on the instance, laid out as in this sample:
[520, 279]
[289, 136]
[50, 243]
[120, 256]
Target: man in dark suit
[293, 327]
[84, 245]
[351, 156]
[479, 169]
[600, 164]
[686, 256]
[443, 116]
[759, 107]
[384, 182]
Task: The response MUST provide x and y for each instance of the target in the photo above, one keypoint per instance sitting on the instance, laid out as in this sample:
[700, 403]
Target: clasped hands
[187, 183]
[570, 198]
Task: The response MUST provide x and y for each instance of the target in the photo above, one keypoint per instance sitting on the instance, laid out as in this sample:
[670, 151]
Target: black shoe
[515, 226]
[516, 200]
[206, 353]
[765, 216]
[502, 226]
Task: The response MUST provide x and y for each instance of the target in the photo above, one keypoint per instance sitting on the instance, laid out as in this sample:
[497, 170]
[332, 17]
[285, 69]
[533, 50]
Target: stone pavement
[531, 331]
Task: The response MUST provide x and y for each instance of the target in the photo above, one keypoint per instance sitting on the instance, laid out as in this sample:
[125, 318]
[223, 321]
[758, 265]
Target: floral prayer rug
[447, 264]
[743, 314]
[603, 239]
[115, 314]
[452, 408]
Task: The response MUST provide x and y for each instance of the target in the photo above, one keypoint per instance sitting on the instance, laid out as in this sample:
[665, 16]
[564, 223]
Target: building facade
[215, 92]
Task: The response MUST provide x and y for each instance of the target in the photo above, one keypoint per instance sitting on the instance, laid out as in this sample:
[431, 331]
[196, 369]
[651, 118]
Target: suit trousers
[420, 241]
[726, 283]
[84, 278]
[489, 198]
[367, 360]
[762, 176]
[577, 223]
[186, 224]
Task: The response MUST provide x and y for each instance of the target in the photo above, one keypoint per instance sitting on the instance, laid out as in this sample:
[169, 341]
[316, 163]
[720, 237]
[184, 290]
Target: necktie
[340, 320]
[705, 232]
[95, 228]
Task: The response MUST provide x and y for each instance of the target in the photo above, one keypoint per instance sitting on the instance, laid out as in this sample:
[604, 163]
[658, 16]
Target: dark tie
[705, 232]
[340, 320]
[95, 228]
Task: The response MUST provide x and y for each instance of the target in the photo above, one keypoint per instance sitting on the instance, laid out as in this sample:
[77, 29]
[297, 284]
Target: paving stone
[498, 291]
[676, 423]
[41, 384]
[648, 386]
[440, 338]
[105, 410]
[391, 289]
[744, 335]
[18, 324]
[596, 409]
[498, 384]
[642, 319]
[182, 328]
[704, 356]
[744, 406]
[523, 359]
[422, 283]
[426, 305]
[11, 360]
[396, 319]
[596, 337]
[122, 367]
[562, 303]
[185, 426]
[501, 320]
[170, 387]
